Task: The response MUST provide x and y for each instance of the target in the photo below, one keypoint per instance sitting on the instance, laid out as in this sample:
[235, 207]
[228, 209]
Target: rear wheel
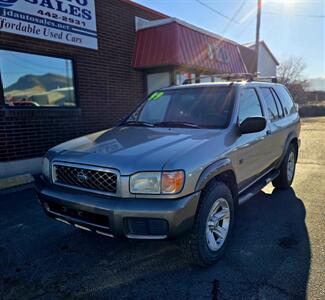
[287, 169]
[207, 241]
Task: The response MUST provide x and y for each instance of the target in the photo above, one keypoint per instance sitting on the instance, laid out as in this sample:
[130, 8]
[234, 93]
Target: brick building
[51, 92]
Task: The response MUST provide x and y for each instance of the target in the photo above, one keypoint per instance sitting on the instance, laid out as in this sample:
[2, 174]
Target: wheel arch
[291, 139]
[295, 143]
[222, 171]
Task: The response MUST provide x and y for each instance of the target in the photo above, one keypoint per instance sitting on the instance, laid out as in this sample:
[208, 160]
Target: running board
[257, 186]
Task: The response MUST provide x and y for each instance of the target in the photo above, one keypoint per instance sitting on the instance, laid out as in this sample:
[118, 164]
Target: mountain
[42, 83]
[317, 84]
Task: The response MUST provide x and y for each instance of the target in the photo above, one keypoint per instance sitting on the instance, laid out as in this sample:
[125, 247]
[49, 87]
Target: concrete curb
[10, 182]
[19, 167]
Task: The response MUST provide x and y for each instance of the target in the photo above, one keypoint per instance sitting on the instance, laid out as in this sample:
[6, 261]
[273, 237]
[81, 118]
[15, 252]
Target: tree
[290, 73]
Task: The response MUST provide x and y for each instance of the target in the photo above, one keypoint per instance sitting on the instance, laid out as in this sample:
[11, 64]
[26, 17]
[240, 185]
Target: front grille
[90, 178]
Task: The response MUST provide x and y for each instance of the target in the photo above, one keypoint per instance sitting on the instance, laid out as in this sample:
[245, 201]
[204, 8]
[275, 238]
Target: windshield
[207, 107]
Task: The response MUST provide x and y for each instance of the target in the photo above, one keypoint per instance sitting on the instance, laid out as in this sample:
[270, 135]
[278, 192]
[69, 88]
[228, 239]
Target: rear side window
[278, 104]
[272, 109]
[250, 105]
[286, 100]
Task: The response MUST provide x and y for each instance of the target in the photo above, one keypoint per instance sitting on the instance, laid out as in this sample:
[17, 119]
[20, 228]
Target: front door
[252, 148]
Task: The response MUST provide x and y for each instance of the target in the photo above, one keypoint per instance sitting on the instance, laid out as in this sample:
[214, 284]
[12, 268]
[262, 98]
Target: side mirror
[253, 124]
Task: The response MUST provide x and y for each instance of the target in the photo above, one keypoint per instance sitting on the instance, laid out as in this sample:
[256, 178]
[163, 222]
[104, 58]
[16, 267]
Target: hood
[131, 149]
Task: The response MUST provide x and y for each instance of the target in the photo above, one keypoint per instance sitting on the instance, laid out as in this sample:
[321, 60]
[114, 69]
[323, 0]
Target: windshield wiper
[176, 124]
[138, 123]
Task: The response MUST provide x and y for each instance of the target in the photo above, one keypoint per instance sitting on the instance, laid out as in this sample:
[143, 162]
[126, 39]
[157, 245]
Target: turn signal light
[172, 182]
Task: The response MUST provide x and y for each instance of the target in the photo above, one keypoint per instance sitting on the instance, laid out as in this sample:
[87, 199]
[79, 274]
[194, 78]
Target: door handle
[268, 132]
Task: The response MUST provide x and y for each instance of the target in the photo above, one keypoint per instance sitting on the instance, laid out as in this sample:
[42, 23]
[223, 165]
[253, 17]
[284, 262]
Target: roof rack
[234, 77]
[237, 76]
[272, 79]
[247, 77]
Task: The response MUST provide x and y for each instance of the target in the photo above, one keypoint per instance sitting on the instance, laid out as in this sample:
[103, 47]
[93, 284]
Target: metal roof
[173, 42]
[155, 23]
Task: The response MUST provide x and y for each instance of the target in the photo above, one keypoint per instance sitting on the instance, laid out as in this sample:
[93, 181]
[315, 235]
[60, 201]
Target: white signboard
[64, 21]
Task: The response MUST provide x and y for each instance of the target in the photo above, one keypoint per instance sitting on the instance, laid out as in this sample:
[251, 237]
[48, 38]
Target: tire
[287, 169]
[197, 245]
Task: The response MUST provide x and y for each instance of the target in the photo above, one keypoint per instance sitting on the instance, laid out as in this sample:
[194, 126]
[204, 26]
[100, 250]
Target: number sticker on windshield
[156, 96]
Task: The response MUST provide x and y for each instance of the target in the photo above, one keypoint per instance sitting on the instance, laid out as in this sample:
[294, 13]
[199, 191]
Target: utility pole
[258, 25]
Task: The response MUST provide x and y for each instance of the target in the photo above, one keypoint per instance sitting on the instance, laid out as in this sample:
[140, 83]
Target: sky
[289, 27]
[15, 65]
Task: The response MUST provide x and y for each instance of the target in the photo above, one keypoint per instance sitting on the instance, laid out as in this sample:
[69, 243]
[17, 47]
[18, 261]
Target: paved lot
[277, 252]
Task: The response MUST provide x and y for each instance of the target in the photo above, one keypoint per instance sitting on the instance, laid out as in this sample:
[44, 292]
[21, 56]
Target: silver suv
[178, 165]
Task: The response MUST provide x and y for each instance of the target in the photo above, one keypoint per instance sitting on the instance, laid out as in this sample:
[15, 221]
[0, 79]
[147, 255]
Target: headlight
[145, 183]
[157, 182]
[46, 167]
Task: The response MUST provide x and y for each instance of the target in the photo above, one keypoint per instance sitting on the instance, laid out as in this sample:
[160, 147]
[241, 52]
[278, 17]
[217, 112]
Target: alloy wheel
[291, 166]
[217, 225]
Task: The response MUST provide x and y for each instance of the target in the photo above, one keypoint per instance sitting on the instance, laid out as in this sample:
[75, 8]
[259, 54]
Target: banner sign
[70, 22]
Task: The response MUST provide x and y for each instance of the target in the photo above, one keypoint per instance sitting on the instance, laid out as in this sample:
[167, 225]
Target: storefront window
[211, 78]
[185, 78]
[206, 78]
[30, 80]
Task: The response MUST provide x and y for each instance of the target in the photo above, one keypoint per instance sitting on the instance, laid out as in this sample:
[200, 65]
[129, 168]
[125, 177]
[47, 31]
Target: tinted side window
[286, 100]
[249, 105]
[278, 104]
[270, 103]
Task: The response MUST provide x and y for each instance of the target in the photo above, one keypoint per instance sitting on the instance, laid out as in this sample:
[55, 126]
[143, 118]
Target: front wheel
[287, 169]
[213, 226]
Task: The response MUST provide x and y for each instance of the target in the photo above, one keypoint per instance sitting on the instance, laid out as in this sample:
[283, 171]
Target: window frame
[258, 98]
[74, 80]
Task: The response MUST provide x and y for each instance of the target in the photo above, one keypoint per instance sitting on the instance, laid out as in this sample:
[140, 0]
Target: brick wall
[107, 86]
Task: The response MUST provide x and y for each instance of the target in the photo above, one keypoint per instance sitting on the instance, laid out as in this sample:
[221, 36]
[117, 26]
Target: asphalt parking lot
[277, 251]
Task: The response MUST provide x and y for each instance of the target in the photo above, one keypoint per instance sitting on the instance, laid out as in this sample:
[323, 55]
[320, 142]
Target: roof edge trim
[157, 23]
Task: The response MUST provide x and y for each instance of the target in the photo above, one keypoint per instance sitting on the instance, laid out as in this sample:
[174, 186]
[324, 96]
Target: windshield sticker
[156, 96]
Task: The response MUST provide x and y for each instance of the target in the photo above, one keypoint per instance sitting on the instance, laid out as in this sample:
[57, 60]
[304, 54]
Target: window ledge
[42, 111]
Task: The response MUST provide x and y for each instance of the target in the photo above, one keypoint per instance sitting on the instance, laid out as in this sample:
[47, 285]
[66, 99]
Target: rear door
[276, 125]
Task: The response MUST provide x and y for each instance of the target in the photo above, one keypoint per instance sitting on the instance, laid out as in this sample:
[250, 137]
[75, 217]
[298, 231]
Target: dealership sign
[217, 52]
[64, 21]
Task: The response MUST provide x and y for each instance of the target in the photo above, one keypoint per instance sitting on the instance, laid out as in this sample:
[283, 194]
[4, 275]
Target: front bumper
[118, 217]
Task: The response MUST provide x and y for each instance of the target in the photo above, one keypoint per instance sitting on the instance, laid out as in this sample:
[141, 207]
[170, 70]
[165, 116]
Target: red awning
[175, 43]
